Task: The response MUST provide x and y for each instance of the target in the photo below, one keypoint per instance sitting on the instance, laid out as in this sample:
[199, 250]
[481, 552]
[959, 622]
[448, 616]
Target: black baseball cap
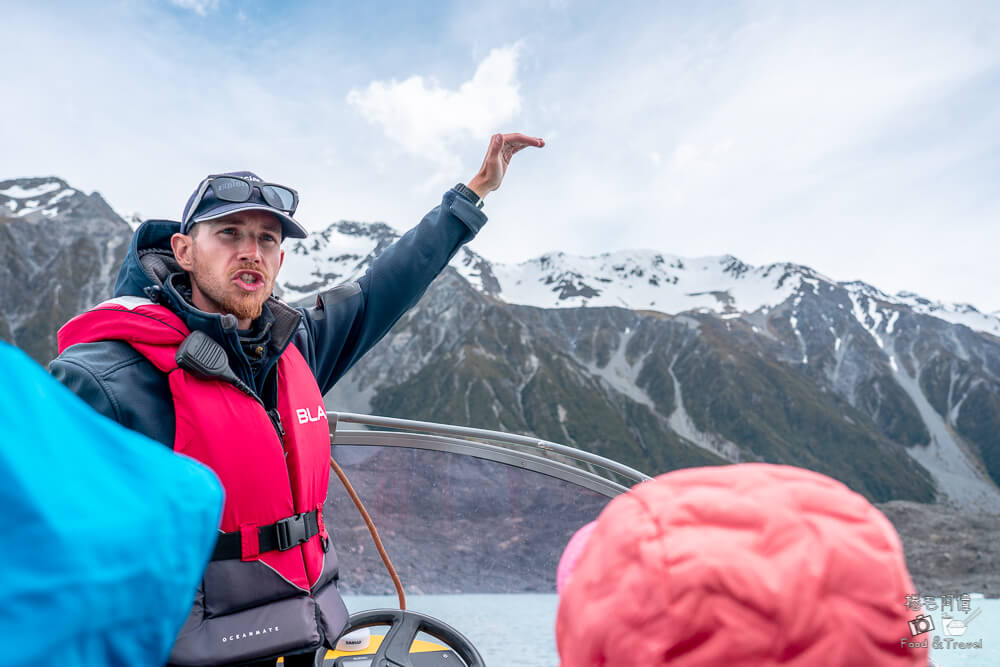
[211, 207]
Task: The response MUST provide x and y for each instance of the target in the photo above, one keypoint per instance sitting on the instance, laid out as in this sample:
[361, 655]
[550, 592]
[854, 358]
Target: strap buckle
[291, 531]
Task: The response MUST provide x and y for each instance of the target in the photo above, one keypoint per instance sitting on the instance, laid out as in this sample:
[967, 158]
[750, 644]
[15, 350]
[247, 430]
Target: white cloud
[426, 119]
[199, 7]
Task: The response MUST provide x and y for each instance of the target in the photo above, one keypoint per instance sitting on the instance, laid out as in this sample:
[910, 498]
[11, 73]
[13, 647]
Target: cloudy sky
[862, 139]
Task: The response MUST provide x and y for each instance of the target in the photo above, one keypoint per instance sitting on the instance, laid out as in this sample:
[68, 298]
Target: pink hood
[743, 565]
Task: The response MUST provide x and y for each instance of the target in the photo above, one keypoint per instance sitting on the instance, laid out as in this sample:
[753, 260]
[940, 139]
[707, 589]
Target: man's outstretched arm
[349, 319]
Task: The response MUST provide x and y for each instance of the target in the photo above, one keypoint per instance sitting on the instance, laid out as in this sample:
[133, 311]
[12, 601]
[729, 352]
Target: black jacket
[344, 324]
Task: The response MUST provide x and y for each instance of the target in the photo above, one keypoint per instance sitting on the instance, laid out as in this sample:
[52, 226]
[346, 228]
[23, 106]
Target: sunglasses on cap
[239, 189]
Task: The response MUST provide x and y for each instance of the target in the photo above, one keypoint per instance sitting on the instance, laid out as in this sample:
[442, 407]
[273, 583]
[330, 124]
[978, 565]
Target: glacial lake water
[520, 629]
[507, 629]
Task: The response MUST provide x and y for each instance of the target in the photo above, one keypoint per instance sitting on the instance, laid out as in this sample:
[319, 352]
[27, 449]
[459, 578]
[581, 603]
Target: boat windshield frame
[585, 469]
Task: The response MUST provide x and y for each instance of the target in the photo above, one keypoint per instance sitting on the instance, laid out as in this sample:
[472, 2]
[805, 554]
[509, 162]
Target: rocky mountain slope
[59, 254]
[948, 551]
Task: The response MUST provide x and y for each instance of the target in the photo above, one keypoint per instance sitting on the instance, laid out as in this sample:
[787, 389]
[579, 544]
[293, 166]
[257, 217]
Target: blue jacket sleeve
[351, 318]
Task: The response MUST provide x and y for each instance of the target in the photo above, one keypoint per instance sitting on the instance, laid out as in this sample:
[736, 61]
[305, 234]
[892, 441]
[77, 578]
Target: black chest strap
[279, 536]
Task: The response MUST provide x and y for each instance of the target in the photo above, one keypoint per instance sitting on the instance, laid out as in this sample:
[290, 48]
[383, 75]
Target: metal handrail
[525, 460]
[492, 436]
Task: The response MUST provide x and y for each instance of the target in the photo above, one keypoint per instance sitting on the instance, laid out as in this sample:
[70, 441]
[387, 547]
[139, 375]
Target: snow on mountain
[957, 313]
[18, 191]
[633, 279]
[871, 306]
[24, 197]
[133, 219]
[339, 253]
[646, 280]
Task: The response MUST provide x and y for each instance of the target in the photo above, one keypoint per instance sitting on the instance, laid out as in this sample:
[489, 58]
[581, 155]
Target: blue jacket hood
[149, 270]
[133, 279]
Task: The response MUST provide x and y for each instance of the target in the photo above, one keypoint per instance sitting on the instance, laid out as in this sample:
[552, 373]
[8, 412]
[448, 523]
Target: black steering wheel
[403, 628]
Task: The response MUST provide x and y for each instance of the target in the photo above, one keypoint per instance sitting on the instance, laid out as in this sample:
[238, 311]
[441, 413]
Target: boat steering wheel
[394, 650]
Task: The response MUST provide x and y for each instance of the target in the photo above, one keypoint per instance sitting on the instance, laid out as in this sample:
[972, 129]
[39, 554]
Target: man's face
[233, 262]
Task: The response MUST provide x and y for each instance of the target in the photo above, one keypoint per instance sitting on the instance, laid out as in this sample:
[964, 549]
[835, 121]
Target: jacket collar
[176, 291]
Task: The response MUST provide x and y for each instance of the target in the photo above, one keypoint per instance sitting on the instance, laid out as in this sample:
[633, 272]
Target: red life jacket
[266, 478]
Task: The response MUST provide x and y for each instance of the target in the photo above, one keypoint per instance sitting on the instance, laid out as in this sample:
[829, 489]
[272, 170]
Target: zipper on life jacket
[276, 422]
[272, 414]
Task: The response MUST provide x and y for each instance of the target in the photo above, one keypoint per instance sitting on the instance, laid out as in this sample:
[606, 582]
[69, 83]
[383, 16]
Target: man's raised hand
[502, 148]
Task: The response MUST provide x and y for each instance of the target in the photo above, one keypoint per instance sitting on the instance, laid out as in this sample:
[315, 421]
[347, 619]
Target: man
[196, 353]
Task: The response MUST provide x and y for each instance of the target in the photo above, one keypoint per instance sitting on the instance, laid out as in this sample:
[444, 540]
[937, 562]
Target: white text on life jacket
[305, 416]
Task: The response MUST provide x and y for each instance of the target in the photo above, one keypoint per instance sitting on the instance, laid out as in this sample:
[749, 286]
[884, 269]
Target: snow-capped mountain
[633, 279]
[339, 253]
[60, 251]
[648, 280]
[875, 351]
[35, 198]
[133, 219]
